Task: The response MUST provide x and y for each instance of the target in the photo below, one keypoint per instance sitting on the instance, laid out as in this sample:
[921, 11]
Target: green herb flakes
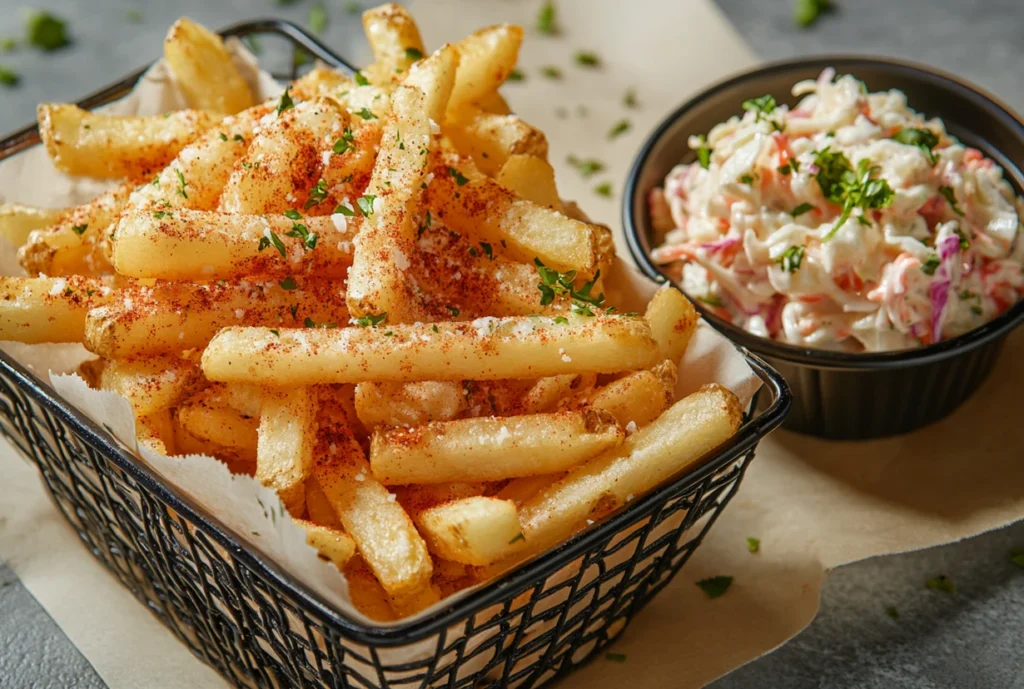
[941, 583]
[715, 586]
[618, 129]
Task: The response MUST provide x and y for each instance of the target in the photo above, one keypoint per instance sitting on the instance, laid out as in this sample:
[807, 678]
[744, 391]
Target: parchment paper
[815, 505]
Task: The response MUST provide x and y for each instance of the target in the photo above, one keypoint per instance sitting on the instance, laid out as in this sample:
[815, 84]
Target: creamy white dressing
[915, 271]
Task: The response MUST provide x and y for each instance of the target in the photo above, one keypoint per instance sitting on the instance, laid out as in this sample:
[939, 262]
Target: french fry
[682, 435]
[520, 490]
[531, 178]
[203, 245]
[287, 437]
[207, 417]
[489, 350]
[408, 404]
[367, 595]
[332, 544]
[17, 221]
[490, 448]
[174, 316]
[548, 392]
[203, 69]
[35, 310]
[111, 146]
[487, 57]
[638, 398]
[243, 398]
[494, 104]
[284, 156]
[473, 531]
[376, 281]
[528, 230]
[321, 82]
[381, 529]
[151, 385]
[491, 140]
[156, 432]
[70, 246]
[673, 320]
[394, 39]
[318, 507]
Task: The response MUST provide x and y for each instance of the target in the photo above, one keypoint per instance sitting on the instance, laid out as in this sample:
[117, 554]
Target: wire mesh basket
[260, 627]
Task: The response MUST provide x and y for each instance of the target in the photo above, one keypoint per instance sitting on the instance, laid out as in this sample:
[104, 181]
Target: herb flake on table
[714, 587]
[604, 189]
[941, 583]
[586, 166]
[317, 18]
[551, 72]
[45, 31]
[515, 75]
[806, 12]
[586, 58]
[892, 612]
[1017, 557]
[547, 19]
[8, 77]
[615, 657]
[753, 544]
[619, 128]
[629, 98]
[133, 14]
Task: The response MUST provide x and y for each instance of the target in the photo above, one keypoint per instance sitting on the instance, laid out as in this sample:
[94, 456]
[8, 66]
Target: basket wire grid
[259, 627]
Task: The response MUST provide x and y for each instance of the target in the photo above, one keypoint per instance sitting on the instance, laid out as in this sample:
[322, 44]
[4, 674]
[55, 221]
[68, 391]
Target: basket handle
[299, 38]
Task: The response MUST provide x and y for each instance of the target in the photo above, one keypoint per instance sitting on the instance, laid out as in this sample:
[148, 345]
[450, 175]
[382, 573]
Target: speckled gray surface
[973, 639]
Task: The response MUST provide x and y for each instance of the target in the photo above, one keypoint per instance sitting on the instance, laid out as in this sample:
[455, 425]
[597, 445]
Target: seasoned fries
[366, 294]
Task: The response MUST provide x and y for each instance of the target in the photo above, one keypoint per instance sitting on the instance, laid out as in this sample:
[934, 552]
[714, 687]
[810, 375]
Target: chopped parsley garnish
[746, 179]
[714, 587]
[276, 331]
[587, 166]
[344, 210]
[317, 194]
[806, 12]
[941, 583]
[345, 143]
[604, 189]
[365, 204]
[288, 284]
[459, 178]
[753, 544]
[160, 215]
[413, 54]
[239, 138]
[317, 18]
[7, 44]
[371, 320]
[181, 184]
[271, 239]
[223, 136]
[8, 77]
[704, 152]
[801, 209]
[552, 283]
[849, 188]
[46, 31]
[519, 537]
[286, 102]
[79, 229]
[711, 300]
[551, 72]
[618, 129]
[366, 114]
[294, 308]
[453, 311]
[784, 169]
[947, 193]
[515, 75]
[361, 79]
[791, 259]
[930, 265]
[764, 105]
[310, 323]
[427, 222]
[965, 243]
[1017, 556]
[547, 19]
[293, 214]
[434, 328]
[585, 58]
[922, 138]
[389, 334]
[487, 249]
[629, 99]
[892, 612]
[615, 657]
[301, 232]
[561, 320]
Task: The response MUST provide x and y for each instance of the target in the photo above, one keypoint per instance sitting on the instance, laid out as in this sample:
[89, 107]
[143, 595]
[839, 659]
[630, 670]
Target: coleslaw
[849, 222]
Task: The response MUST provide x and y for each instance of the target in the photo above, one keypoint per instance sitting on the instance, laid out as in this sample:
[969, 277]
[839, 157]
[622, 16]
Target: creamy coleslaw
[849, 222]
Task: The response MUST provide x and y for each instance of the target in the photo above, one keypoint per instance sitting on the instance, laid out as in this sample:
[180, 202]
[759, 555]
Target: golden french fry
[286, 439]
[394, 39]
[492, 139]
[531, 178]
[203, 70]
[487, 57]
[380, 527]
[520, 490]
[528, 230]
[486, 349]
[682, 435]
[333, 544]
[156, 432]
[286, 155]
[367, 595]
[494, 104]
[318, 507]
[71, 245]
[491, 448]
[111, 146]
[547, 393]
[17, 221]
[176, 316]
[36, 310]
[473, 531]
[202, 245]
[243, 398]
[638, 398]
[207, 417]
[151, 385]
[377, 282]
[321, 82]
[673, 320]
[408, 404]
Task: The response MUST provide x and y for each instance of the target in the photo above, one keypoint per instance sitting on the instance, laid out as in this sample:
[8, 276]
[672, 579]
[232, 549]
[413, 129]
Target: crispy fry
[487, 57]
[673, 320]
[548, 392]
[637, 398]
[408, 404]
[17, 221]
[318, 507]
[491, 140]
[473, 531]
[207, 417]
[156, 432]
[151, 385]
[286, 438]
[394, 39]
[35, 310]
[531, 178]
[333, 544]
[203, 69]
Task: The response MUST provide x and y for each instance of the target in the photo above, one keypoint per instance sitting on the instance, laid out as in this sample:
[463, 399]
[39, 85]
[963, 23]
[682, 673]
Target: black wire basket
[238, 611]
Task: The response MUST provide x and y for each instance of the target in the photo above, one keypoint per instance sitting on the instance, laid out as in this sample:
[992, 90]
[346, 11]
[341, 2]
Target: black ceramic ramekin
[842, 395]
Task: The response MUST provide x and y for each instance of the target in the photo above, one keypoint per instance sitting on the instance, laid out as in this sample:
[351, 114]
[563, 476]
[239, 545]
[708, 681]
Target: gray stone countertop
[968, 640]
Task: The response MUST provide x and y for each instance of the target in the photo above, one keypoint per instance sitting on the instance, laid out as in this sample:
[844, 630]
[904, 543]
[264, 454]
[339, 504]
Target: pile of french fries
[367, 294]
